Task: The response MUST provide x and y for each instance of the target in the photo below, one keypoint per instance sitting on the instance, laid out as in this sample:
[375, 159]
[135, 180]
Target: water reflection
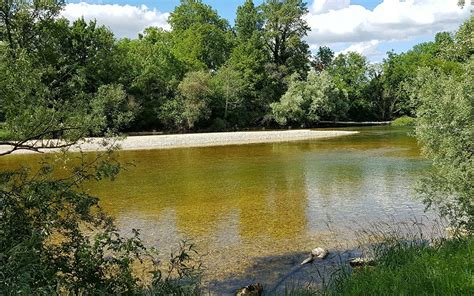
[263, 200]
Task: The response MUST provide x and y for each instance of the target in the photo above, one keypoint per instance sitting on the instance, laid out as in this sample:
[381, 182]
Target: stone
[317, 253]
[250, 290]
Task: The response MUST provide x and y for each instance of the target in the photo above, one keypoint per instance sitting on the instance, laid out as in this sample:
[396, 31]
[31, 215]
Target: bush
[404, 121]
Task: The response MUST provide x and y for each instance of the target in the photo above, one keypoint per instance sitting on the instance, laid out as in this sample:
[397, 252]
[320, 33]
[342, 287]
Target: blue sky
[370, 27]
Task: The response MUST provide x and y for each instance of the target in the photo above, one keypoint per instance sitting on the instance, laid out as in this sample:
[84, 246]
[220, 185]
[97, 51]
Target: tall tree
[284, 30]
[196, 91]
[323, 58]
[22, 22]
[192, 12]
[350, 73]
[231, 88]
[152, 76]
[202, 39]
[248, 21]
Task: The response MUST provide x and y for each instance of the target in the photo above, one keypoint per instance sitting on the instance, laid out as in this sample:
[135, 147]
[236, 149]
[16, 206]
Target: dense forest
[204, 74]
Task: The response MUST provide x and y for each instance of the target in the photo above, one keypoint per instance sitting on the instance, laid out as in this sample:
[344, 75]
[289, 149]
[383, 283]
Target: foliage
[22, 23]
[309, 101]
[323, 58]
[404, 121]
[231, 88]
[56, 239]
[248, 22]
[284, 30]
[196, 92]
[152, 76]
[201, 38]
[444, 127]
[350, 73]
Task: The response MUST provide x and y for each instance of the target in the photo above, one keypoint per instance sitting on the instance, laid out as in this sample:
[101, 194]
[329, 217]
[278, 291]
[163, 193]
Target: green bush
[404, 121]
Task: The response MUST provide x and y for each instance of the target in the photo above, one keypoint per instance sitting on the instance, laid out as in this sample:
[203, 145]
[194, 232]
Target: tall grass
[444, 268]
[411, 258]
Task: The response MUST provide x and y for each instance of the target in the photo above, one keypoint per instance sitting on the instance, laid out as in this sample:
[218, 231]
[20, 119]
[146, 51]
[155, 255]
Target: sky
[370, 27]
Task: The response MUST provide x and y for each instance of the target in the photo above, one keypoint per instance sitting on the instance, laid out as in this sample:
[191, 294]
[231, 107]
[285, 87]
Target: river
[254, 211]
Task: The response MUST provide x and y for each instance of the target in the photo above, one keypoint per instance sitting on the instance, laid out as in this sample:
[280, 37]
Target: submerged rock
[318, 253]
[250, 290]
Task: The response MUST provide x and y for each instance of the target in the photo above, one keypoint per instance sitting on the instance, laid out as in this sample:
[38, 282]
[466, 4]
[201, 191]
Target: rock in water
[318, 253]
[251, 290]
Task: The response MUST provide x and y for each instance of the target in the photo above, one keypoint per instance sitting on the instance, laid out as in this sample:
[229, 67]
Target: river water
[254, 211]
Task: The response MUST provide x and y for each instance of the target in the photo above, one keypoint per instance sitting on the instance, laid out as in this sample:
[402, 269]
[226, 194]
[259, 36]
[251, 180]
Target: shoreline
[199, 140]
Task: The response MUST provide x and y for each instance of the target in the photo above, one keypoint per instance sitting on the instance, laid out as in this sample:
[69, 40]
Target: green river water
[254, 211]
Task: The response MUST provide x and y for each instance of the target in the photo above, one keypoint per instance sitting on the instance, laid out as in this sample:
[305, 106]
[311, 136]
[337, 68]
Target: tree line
[204, 74]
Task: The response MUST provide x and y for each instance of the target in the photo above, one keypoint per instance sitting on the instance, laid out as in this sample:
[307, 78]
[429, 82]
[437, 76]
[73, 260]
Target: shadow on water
[280, 272]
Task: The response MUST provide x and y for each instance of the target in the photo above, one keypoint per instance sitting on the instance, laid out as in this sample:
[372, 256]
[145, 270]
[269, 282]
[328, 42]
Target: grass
[404, 121]
[408, 269]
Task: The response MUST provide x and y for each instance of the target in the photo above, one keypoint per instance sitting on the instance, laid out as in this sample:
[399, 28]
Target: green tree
[152, 76]
[444, 128]
[192, 12]
[201, 38]
[307, 102]
[249, 21]
[230, 88]
[22, 23]
[350, 73]
[196, 91]
[284, 30]
[323, 58]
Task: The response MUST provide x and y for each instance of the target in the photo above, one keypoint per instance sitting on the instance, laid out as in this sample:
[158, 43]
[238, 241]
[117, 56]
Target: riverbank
[404, 268]
[201, 140]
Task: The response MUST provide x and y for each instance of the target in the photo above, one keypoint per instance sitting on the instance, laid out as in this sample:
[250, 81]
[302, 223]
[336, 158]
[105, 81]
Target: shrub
[404, 121]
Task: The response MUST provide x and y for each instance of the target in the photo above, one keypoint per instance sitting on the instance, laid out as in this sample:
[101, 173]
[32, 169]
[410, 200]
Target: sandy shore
[205, 139]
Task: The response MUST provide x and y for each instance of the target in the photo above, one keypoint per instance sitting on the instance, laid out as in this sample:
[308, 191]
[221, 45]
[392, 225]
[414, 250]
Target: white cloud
[123, 20]
[366, 48]
[337, 21]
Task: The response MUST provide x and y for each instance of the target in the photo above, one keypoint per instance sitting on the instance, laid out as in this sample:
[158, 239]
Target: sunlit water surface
[255, 210]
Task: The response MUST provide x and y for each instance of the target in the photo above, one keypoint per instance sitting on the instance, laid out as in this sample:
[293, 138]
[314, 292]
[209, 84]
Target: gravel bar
[208, 139]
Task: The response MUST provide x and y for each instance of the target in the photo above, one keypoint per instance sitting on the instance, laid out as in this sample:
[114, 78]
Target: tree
[152, 76]
[323, 58]
[350, 73]
[230, 88]
[196, 92]
[192, 12]
[202, 46]
[79, 57]
[248, 21]
[444, 128]
[284, 30]
[201, 38]
[307, 102]
[22, 23]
